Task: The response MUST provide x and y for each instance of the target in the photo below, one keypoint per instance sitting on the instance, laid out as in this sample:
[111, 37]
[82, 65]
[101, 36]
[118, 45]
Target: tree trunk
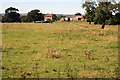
[103, 26]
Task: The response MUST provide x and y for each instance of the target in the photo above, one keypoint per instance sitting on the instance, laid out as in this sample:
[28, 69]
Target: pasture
[59, 50]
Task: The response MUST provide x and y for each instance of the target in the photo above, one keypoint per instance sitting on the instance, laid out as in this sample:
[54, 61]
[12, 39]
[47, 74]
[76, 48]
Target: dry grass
[59, 50]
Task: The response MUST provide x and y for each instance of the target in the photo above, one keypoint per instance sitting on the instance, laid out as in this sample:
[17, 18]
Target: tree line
[105, 13]
[12, 15]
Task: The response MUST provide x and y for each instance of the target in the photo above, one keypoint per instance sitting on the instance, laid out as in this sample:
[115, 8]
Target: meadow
[59, 50]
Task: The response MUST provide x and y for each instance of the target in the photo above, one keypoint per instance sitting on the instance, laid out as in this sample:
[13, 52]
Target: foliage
[90, 11]
[11, 15]
[23, 18]
[49, 21]
[34, 15]
[60, 17]
[54, 17]
[105, 13]
[78, 14]
[11, 9]
[117, 18]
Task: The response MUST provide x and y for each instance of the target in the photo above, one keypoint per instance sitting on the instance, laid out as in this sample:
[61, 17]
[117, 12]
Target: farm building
[48, 16]
[73, 18]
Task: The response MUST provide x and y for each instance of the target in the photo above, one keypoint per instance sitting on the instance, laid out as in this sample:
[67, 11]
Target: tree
[34, 15]
[78, 14]
[11, 9]
[23, 18]
[54, 17]
[84, 17]
[90, 11]
[103, 14]
[61, 16]
[11, 15]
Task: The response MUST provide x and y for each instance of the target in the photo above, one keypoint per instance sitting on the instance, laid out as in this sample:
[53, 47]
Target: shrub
[49, 21]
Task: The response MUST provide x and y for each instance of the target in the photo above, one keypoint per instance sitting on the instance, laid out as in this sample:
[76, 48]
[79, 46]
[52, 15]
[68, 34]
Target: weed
[88, 54]
[53, 53]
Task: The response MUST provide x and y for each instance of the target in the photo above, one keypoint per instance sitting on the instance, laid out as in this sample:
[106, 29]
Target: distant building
[62, 19]
[48, 16]
[73, 18]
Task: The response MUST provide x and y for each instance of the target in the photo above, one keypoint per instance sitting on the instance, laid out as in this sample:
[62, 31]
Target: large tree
[34, 15]
[11, 15]
[102, 13]
[106, 12]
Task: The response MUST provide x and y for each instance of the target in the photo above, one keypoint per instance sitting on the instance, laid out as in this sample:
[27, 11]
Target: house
[52, 17]
[48, 16]
[73, 18]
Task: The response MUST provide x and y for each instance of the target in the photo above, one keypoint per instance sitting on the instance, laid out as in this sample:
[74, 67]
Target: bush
[49, 21]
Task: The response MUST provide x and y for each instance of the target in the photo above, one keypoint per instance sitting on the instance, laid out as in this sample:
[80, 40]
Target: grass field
[59, 50]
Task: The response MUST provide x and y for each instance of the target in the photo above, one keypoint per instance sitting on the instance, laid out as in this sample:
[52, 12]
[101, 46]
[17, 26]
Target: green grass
[59, 50]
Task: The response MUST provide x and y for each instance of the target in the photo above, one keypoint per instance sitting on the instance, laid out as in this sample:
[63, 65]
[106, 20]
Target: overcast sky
[45, 6]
